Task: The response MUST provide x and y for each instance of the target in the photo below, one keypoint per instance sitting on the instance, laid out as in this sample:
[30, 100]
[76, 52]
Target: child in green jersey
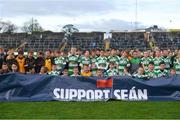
[112, 71]
[150, 72]
[140, 73]
[54, 71]
[162, 72]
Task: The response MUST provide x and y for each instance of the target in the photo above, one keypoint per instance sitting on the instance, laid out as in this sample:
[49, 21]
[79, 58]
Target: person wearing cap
[21, 62]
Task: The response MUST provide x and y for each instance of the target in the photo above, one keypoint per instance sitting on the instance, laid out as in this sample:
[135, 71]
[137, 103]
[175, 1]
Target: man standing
[157, 60]
[166, 59]
[72, 60]
[29, 61]
[39, 62]
[123, 62]
[21, 62]
[102, 62]
[176, 65]
[113, 58]
[135, 62]
[48, 60]
[85, 60]
[60, 61]
[145, 60]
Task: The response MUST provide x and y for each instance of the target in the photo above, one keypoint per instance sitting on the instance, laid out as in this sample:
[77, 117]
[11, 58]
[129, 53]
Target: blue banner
[20, 87]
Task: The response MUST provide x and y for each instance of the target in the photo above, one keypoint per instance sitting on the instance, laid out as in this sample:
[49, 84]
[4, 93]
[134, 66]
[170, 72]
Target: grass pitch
[90, 110]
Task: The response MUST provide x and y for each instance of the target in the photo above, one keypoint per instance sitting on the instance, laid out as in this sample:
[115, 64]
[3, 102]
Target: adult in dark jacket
[39, 62]
[29, 61]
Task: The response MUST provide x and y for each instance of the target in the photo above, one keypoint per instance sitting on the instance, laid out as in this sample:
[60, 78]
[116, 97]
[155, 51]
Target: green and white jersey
[55, 73]
[176, 66]
[113, 59]
[60, 62]
[72, 62]
[102, 63]
[176, 57]
[167, 61]
[151, 58]
[160, 73]
[139, 76]
[150, 74]
[93, 59]
[112, 72]
[145, 62]
[84, 61]
[123, 62]
[94, 70]
[156, 62]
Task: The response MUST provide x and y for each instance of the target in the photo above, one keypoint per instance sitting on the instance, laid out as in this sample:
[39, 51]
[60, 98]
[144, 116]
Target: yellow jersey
[48, 64]
[21, 63]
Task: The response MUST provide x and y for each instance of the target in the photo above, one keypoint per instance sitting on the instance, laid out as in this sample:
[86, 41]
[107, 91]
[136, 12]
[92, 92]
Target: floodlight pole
[136, 14]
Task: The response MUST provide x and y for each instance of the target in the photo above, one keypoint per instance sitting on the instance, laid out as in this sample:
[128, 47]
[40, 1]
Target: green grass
[82, 110]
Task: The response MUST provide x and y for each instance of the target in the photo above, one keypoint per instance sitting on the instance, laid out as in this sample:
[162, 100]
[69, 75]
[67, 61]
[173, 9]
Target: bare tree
[7, 27]
[32, 26]
[68, 30]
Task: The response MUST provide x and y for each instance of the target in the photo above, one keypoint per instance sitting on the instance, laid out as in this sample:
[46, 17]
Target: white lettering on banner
[98, 94]
[124, 95]
[117, 94]
[90, 94]
[131, 94]
[81, 94]
[72, 93]
[56, 90]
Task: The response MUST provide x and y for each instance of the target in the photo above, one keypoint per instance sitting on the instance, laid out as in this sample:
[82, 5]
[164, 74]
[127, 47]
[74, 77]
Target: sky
[93, 15]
